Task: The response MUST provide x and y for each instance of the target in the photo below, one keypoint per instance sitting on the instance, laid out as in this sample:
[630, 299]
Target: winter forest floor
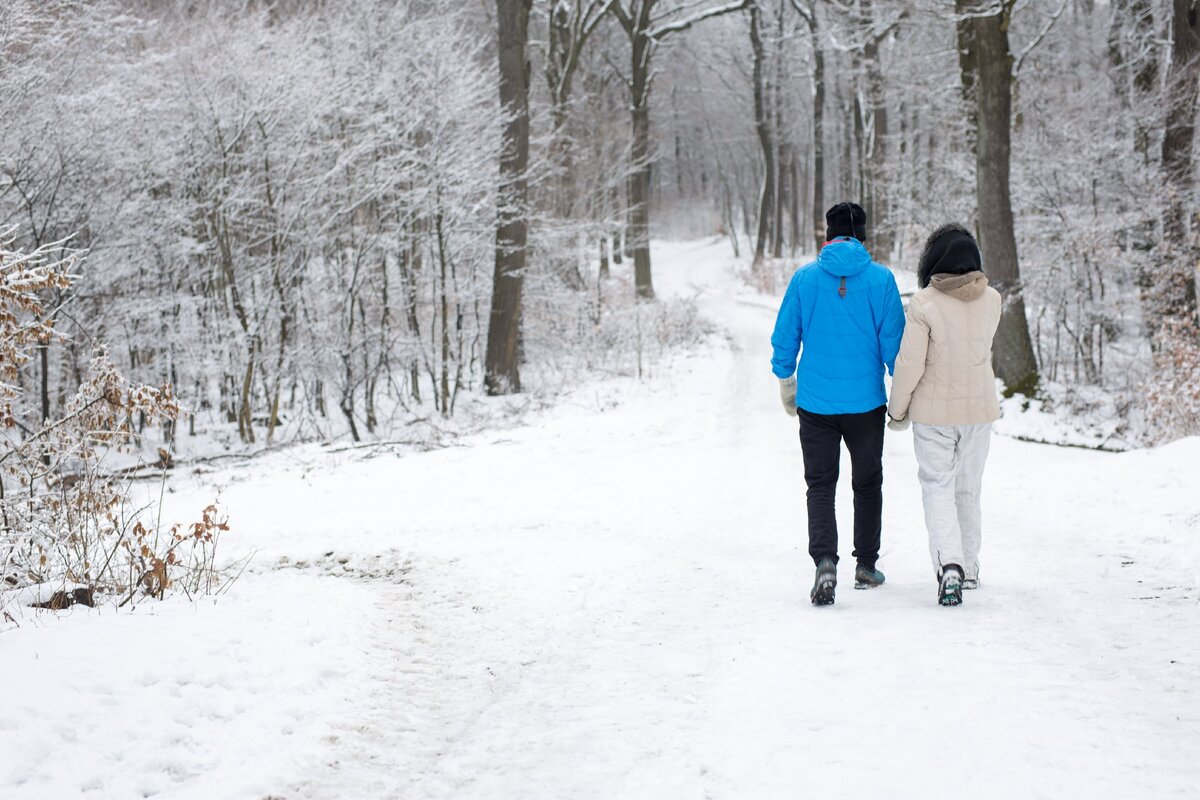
[613, 603]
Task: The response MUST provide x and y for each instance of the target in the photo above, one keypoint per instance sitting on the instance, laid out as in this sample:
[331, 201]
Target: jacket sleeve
[785, 339]
[910, 363]
[891, 325]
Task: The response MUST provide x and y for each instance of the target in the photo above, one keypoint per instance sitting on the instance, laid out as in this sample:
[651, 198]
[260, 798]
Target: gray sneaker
[825, 583]
[970, 583]
[867, 577]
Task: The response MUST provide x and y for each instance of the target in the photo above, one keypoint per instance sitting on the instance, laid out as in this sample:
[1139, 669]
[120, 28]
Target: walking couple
[842, 316]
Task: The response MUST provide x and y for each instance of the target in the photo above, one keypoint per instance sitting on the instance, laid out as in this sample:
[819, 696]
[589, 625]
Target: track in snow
[617, 607]
[614, 604]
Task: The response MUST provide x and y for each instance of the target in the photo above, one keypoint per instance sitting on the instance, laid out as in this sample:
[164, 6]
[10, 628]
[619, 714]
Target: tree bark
[809, 14]
[779, 139]
[1169, 293]
[964, 32]
[501, 374]
[1012, 354]
[794, 198]
[638, 236]
[818, 112]
[880, 222]
[763, 128]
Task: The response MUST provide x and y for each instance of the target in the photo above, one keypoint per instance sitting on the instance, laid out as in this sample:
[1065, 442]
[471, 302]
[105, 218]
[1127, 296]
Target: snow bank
[228, 698]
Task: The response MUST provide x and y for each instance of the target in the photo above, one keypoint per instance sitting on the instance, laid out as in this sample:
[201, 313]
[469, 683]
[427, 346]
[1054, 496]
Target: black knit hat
[952, 250]
[846, 219]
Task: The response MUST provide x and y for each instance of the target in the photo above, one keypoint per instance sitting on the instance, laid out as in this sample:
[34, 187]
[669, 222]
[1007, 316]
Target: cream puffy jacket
[944, 371]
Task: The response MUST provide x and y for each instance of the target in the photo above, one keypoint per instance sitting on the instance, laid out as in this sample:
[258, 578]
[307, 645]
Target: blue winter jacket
[847, 340]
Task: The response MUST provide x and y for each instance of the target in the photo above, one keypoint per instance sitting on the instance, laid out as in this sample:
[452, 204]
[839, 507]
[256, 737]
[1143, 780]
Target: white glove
[787, 393]
[899, 424]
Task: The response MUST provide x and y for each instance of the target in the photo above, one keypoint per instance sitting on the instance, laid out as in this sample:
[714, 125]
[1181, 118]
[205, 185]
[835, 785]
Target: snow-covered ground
[613, 603]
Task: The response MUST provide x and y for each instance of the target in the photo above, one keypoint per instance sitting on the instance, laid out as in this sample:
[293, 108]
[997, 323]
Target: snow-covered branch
[661, 30]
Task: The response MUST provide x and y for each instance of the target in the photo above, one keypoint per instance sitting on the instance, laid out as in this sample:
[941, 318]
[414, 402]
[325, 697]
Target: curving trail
[617, 607]
[614, 604]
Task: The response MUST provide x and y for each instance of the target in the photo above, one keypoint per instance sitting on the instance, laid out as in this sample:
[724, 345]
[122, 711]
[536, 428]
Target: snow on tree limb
[659, 31]
[1037, 40]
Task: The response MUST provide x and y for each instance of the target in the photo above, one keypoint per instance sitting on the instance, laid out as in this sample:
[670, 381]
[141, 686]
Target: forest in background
[293, 211]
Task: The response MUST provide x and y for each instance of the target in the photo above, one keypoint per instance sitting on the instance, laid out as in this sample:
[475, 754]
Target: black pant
[821, 437]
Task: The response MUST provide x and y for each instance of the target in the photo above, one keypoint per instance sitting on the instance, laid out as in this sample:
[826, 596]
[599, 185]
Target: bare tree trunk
[860, 188]
[277, 385]
[818, 146]
[784, 202]
[779, 140]
[809, 13]
[245, 419]
[1012, 354]
[617, 247]
[1169, 293]
[501, 373]
[346, 404]
[637, 239]
[636, 21]
[369, 373]
[968, 68]
[44, 387]
[798, 210]
[445, 309]
[763, 128]
[219, 231]
[877, 114]
[410, 263]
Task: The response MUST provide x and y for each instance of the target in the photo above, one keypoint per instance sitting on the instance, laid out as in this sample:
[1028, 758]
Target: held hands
[787, 393]
[898, 424]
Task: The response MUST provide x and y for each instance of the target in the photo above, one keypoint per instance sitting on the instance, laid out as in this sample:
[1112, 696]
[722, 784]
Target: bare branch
[657, 33]
[1037, 40]
[624, 17]
[807, 13]
[592, 16]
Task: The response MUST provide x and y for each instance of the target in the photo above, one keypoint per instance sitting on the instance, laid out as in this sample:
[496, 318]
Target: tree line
[322, 218]
[850, 100]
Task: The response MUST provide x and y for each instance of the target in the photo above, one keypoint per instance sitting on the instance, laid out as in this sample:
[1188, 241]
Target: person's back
[943, 383]
[842, 316]
[957, 385]
[836, 306]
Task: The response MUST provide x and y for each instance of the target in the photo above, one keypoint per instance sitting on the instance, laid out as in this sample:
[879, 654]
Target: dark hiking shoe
[825, 584]
[867, 577]
[951, 585]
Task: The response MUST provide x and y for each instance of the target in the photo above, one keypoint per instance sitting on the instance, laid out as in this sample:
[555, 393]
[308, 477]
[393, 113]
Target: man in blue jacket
[843, 317]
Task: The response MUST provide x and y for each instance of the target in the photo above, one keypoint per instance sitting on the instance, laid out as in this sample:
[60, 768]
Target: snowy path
[614, 605]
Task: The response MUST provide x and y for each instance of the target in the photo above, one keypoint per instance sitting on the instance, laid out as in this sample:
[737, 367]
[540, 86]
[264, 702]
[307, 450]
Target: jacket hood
[950, 249]
[966, 287]
[844, 257]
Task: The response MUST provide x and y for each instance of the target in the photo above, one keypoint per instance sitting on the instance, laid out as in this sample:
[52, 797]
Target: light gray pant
[950, 461]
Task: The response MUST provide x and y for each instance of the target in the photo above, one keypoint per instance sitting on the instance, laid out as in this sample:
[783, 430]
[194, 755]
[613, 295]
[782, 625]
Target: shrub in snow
[606, 330]
[67, 525]
[1173, 390]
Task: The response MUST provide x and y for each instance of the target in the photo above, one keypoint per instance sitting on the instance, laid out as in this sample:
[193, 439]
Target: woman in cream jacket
[944, 385]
